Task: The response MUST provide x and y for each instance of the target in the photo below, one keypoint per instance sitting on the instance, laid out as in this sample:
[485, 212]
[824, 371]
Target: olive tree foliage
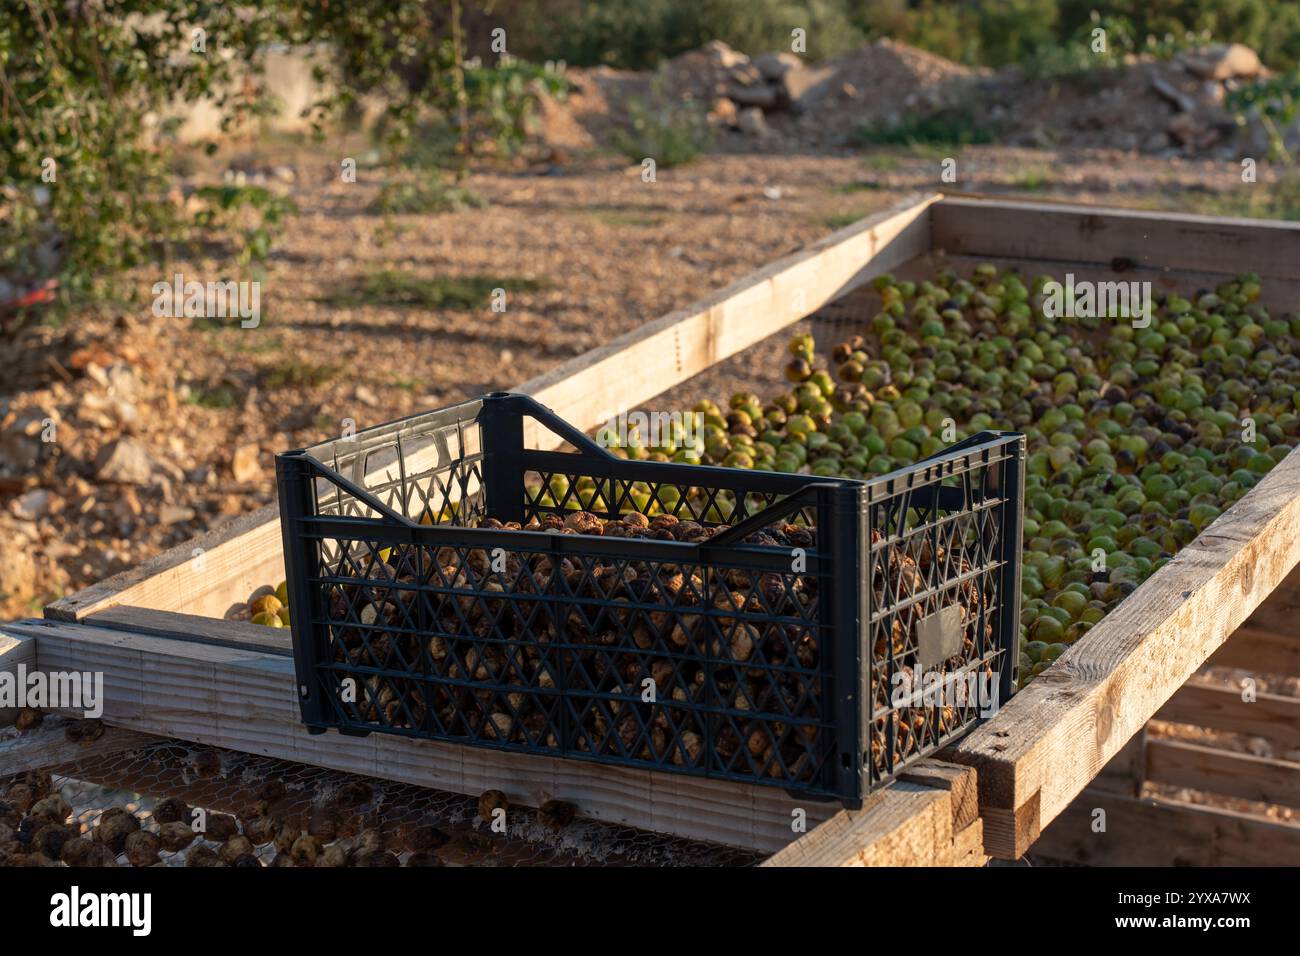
[85, 188]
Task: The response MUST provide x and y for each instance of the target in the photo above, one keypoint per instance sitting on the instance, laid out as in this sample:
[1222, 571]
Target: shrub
[669, 133]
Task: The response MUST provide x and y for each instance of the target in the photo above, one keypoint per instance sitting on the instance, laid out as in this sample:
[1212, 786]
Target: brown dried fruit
[262, 830]
[82, 852]
[354, 793]
[114, 826]
[556, 814]
[51, 809]
[324, 824]
[28, 718]
[20, 797]
[332, 855]
[206, 763]
[171, 810]
[175, 836]
[427, 838]
[489, 801]
[247, 861]
[305, 850]
[234, 848]
[220, 827]
[202, 856]
[50, 839]
[142, 848]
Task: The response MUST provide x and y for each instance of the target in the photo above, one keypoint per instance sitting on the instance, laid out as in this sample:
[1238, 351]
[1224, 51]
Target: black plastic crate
[766, 646]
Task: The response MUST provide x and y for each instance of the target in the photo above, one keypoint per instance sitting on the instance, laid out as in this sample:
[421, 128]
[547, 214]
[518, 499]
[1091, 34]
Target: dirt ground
[585, 249]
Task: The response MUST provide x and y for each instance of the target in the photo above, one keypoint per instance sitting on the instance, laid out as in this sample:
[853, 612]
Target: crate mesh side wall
[700, 667]
[935, 549]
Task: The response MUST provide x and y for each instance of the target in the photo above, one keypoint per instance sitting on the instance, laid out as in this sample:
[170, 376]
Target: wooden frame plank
[1159, 832]
[1259, 651]
[197, 576]
[1053, 737]
[1263, 779]
[48, 746]
[1077, 235]
[243, 699]
[1207, 703]
[929, 818]
[15, 651]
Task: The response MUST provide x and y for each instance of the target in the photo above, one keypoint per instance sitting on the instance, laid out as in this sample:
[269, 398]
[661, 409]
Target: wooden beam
[1159, 832]
[201, 576]
[1263, 779]
[907, 824]
[49, 746]
[1260, 651]
[1206, 703]
[1075, 235]
[1052, 738]
[960, 783]
[1126, 771]
[243, 699]
[903, 825]
[15, 651]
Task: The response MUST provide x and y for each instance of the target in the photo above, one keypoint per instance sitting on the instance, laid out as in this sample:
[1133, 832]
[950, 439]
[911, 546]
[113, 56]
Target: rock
[31, 506]
[751, 122]
[122, 381]
[745, 75]
[1223, 61]
[1181, 101]
[723, 112]
[760, 95]
[805, 86]
[169, 515]
[724, 55]
[365, 395]
[125, 461]
[773, 66]
[244, 465]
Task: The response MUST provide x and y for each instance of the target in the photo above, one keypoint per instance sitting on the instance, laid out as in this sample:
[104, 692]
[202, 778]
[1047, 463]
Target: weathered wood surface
[1078, 235]
[1213, 770]
[49, 746]
[1052, 738]
[15, 652]
[929, 818]
[1158, 832]
[1207, 703]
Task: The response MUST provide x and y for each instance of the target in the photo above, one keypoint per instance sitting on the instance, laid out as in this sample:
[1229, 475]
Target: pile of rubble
[782, 95]
[1154, 106]
[781, 102]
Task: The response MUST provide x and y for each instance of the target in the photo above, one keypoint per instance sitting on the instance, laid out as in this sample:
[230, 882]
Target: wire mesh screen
[698, 620]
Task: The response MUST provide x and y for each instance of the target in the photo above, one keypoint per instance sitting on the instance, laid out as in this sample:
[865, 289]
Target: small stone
[773, 66]
[244, 465]
[125, 461]
[169, 515]
[366, 396]
[758, 95]
[752, 122]
[31, 506]
[1223, 61]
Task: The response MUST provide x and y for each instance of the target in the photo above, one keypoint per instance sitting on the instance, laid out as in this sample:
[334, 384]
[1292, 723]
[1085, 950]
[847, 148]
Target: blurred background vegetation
[82, 87]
